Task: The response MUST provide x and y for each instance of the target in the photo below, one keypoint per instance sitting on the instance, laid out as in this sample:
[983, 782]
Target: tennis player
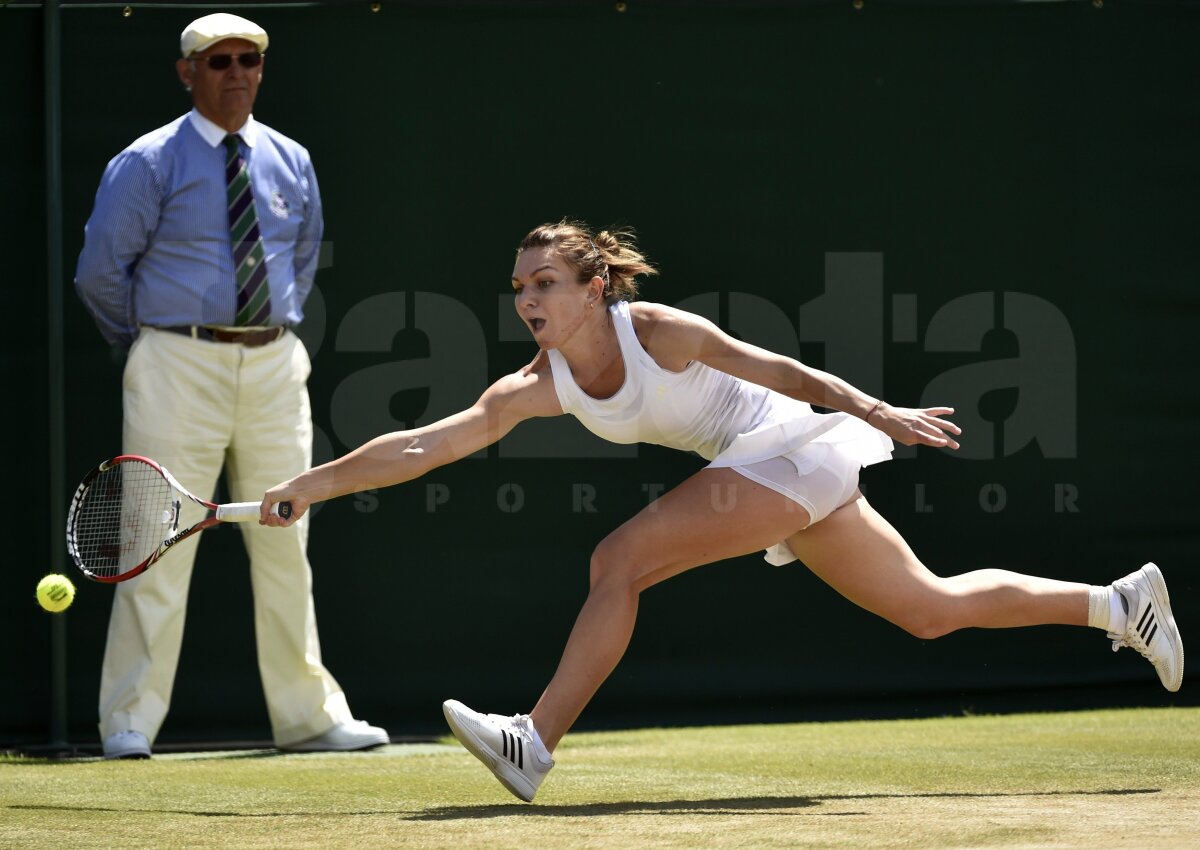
[780, 477]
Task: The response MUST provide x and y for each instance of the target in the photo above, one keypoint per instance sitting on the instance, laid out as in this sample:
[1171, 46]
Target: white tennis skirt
[820, 475]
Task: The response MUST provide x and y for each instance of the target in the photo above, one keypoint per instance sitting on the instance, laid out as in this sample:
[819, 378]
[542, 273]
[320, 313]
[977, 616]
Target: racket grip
[248, 511]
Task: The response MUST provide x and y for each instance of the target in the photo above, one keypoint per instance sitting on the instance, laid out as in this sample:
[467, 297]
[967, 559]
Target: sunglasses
[222, 61]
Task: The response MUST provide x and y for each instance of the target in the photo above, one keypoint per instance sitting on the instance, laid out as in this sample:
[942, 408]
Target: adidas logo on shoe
[504, 744]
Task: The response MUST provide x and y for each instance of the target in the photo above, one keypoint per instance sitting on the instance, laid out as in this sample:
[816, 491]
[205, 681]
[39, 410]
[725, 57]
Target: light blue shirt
[156, 249]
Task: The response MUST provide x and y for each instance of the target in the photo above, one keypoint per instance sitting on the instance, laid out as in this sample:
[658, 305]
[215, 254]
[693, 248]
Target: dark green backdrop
[991, 206]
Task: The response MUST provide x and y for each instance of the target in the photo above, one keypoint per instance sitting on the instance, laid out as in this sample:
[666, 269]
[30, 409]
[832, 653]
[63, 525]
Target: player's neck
[594, 355]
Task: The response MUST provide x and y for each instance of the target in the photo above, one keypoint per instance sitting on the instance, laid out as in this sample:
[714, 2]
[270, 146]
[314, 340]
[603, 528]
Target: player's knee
[925, 625]
[933, 615]
[611, 564]
[934, 619]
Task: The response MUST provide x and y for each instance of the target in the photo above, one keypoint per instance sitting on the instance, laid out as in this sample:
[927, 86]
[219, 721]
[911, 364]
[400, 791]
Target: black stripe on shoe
[520, 753]
[1147, 619]
[513, 751]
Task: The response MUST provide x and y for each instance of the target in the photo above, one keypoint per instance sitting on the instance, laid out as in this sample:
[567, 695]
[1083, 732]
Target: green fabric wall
[989, 207]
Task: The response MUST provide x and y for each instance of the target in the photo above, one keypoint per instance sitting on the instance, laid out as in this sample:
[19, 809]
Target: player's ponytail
[610, 255]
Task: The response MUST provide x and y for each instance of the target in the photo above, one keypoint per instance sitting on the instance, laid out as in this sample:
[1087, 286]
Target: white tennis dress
[776, 440]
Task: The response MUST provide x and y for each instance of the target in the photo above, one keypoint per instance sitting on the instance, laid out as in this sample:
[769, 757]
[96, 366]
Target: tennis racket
[125, 516]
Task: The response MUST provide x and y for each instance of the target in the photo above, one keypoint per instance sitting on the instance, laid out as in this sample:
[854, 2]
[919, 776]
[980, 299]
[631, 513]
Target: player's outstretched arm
[675, 337]
[404, 455]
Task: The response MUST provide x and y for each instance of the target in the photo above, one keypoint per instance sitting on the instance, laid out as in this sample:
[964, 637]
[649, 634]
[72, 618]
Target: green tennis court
[1111, 779]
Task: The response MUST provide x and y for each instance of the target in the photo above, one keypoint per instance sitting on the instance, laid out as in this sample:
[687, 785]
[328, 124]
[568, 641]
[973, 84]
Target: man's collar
[215, 135]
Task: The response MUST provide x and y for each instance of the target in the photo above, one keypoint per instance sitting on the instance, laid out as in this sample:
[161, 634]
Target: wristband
[867, 418]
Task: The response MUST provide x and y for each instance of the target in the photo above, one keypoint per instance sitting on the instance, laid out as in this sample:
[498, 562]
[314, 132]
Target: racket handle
[248, 511]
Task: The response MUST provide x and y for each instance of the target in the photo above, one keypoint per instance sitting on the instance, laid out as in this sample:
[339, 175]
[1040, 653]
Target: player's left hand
[916, 426]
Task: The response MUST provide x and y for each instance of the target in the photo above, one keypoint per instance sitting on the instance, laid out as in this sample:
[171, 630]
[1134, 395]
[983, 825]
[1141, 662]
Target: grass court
[1094, 779]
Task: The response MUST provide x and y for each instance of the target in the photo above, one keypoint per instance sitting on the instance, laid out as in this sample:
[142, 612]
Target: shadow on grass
[734, 805]
[721, 806]
[77, 758]
[408, 813]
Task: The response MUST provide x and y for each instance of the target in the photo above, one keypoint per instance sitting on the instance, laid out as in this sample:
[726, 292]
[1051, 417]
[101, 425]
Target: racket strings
[122, 518]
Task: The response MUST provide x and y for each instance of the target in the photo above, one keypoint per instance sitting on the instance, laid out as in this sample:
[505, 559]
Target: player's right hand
[284, 492]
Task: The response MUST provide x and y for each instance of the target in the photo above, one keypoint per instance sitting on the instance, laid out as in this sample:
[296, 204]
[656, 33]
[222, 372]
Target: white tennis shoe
[129, 744]
[504, 744]
[345, 737]
[1150, 629]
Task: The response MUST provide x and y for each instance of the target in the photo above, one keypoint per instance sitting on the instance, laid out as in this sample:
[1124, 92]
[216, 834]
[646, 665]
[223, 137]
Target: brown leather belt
[250, 337]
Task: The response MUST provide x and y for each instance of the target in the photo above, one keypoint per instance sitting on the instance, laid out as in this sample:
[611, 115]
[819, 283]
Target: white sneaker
[353, 735]
[504, 744]
[1150, 628]
[127, 745]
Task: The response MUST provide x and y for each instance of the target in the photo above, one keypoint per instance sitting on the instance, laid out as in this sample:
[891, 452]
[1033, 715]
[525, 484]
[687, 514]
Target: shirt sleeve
[125, 215]
[308, 245]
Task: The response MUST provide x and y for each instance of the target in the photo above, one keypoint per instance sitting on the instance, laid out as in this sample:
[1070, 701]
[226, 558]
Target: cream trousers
[195, 407]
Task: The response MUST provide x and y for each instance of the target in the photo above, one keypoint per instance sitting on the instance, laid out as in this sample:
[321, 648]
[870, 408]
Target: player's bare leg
[858, 553]
[861, 556]
[715, 514]
[718, 514]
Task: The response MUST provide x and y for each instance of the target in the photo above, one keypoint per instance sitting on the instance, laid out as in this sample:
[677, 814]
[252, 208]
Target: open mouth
[537, 324]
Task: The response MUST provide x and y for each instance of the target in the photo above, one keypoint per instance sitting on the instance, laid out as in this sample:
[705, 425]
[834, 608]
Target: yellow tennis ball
[55, 593]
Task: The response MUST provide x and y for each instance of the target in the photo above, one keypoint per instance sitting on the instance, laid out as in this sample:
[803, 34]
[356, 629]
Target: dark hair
[610, 255]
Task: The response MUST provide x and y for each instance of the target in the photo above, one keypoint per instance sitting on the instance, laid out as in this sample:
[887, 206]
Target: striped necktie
[249, 258]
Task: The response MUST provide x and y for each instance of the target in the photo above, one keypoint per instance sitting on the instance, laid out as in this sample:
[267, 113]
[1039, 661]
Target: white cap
[204, 32]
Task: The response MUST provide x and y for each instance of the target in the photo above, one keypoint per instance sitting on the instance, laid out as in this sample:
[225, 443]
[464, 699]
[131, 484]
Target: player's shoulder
[651, 314]
[531, 387]
[536, 373]
[664, 323]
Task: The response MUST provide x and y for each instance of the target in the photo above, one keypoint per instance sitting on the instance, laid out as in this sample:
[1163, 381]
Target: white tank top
[723, 419]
